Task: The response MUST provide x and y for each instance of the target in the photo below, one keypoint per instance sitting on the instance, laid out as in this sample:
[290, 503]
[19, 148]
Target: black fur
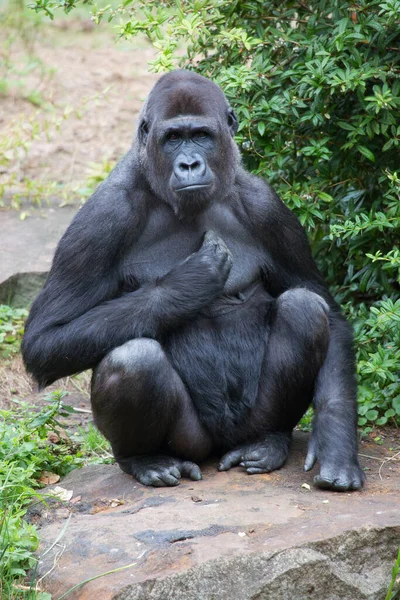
[190, 289]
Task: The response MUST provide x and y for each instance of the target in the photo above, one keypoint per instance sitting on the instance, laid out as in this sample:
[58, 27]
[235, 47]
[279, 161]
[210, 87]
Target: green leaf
[367, 153]
[347, 126]
[396, 404]
[324, 196]
[388, 145]
[261, 128]
[390, 412]
[372, 415]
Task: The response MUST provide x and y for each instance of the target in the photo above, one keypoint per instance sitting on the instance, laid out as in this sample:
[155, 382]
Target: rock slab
[228, 537]
[26, 250]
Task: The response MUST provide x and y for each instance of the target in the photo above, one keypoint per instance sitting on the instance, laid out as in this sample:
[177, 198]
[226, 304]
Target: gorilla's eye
[173, 137]
[201, 135]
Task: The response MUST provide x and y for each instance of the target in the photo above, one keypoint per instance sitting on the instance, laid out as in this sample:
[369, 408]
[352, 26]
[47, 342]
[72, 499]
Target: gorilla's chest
[165, 242]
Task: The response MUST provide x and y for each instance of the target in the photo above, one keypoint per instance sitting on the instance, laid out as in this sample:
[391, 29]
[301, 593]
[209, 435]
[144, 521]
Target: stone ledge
[228, 537]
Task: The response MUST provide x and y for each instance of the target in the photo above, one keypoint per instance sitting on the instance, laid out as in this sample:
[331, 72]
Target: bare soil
[80, 68]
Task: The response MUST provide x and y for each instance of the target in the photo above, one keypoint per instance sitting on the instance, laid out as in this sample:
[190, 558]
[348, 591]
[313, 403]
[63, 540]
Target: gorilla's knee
[306, 312]
[133, 359]
[301, 299]
[136, 354]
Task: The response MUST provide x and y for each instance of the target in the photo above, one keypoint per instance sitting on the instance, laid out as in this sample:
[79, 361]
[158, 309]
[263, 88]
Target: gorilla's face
[186, 146]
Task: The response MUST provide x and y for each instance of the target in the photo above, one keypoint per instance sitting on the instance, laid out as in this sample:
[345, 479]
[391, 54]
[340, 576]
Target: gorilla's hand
[216, 257]
[201, 277]
[339, 467]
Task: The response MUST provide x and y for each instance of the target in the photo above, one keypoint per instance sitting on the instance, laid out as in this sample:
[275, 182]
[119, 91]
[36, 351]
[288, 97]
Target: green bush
[316, 86]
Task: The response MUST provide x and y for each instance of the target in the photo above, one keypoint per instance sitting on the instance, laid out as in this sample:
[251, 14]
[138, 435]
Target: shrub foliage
[316, 86]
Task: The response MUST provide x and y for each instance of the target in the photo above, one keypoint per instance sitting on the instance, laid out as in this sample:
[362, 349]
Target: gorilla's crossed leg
[141, 404]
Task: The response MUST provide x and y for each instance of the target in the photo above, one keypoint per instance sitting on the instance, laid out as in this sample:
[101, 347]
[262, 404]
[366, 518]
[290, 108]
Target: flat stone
[27, 248]
[230, 536]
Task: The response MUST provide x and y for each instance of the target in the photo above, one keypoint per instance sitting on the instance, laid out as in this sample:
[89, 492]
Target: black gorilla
[189, 288]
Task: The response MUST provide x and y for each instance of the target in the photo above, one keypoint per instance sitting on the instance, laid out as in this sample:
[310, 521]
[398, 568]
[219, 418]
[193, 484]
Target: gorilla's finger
[175, 472]
[324, 483]
[255, 455]
[311, 459]
[169, 479]
[255, 471]
[191, 470]
[251, 463]
[356, 484]
[231, 459]
[210, 237]
[152, 479]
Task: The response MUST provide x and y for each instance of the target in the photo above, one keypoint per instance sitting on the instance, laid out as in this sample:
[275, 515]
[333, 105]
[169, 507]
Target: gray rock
[26, 249]
[228, 537]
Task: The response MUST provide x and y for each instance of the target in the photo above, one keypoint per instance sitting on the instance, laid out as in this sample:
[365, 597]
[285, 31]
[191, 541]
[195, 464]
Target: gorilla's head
[185, 142]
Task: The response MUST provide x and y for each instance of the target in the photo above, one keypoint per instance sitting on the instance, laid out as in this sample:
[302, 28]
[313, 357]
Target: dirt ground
[73, 65]
[79, 68]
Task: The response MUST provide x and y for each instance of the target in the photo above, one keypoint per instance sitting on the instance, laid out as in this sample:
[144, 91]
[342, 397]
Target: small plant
[394, 587]
[92, 443]
[97, 172]
[11, 329]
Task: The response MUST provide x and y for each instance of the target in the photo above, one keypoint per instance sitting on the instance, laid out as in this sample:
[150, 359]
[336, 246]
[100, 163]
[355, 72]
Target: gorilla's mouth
[195, 186]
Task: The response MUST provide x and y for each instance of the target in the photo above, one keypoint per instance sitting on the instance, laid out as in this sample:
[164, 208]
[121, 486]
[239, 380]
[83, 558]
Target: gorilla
[189, 288]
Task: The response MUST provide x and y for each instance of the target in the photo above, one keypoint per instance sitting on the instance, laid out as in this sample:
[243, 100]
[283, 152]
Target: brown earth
[79, 68]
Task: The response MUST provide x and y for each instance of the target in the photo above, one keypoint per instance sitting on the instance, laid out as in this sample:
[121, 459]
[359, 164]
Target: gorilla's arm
[80, 315]
[334, 437]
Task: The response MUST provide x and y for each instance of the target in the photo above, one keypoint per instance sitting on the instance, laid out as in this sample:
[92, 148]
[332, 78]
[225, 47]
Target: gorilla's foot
[260, 457]
[159, 471]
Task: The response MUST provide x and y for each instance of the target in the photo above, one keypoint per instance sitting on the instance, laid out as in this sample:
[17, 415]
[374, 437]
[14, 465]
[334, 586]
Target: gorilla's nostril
[189, 166]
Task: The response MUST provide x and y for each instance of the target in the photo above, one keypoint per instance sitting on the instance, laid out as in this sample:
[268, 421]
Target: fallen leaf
[116, 502]
[306, 486]
[49, 478]
[196, 499]
[75, 500]
[61, 493]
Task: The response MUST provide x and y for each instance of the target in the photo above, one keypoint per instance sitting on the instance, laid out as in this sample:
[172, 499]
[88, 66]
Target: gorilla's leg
[295, 351]
[140, 404]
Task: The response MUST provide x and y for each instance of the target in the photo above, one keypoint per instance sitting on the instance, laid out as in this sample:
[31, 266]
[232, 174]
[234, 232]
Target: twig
[387, 460]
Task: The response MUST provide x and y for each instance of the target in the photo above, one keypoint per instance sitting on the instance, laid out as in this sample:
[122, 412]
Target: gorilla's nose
[189, 169]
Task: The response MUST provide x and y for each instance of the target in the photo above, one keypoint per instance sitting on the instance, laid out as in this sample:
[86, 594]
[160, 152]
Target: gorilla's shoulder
[121, 195]
[256, 193]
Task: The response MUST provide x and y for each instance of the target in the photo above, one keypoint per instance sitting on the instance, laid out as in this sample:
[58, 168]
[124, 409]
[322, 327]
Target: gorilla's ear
[143, 131]
[232, 122]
